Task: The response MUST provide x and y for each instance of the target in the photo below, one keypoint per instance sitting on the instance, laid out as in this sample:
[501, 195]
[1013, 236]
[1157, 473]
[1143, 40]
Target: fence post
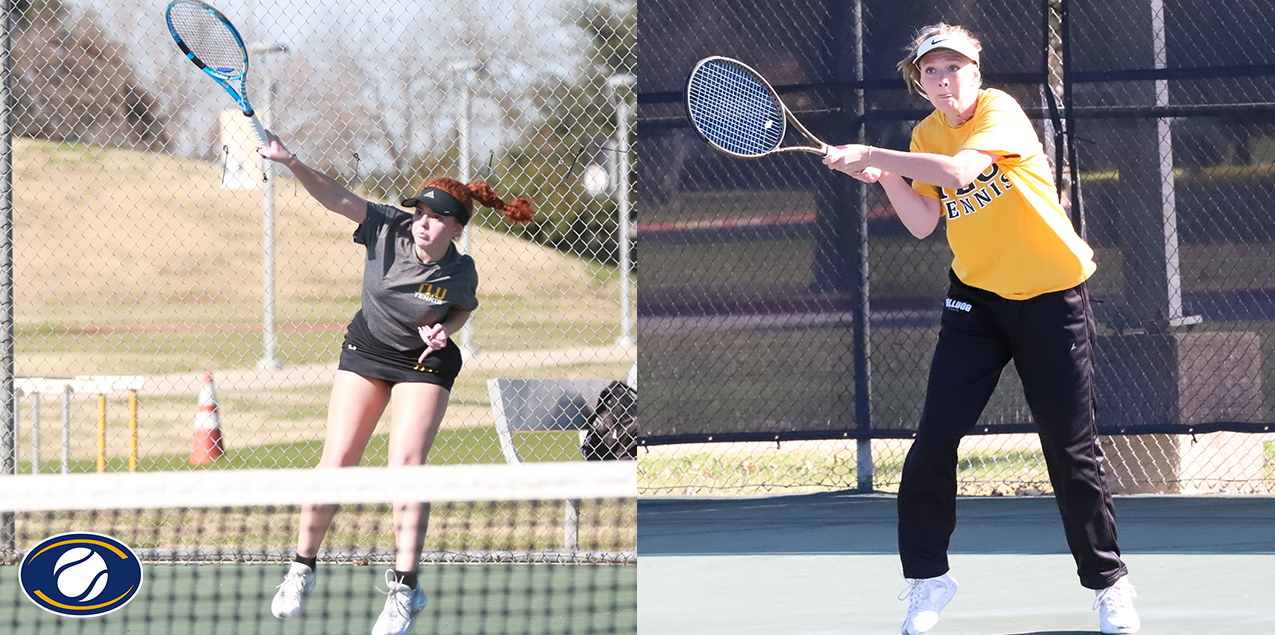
[8, 424]
[269, 333]
[620, 86]
[462, 70]
[864, 468]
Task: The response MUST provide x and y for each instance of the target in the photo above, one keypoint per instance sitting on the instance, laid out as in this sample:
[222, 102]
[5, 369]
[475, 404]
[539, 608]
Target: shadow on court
[1055, 633]
[827, 563]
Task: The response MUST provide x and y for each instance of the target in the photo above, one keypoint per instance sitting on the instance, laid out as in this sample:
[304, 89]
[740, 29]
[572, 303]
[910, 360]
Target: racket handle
[257, 129]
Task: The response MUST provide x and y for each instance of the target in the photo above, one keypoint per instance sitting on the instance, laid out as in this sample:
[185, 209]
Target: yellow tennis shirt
[1007, 231]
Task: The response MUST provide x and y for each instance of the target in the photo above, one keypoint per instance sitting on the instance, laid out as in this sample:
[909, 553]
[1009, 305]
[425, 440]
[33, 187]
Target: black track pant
[1049, 337]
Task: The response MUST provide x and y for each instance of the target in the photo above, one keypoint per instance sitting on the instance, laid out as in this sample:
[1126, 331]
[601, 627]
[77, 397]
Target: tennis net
[532, 548]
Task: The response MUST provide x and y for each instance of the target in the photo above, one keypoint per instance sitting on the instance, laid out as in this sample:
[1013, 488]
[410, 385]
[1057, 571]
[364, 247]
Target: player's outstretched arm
[920, 214]
[325, 189]
[952, 172]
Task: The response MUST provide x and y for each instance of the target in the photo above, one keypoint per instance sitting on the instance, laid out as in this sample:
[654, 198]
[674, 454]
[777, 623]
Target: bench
[543, 405]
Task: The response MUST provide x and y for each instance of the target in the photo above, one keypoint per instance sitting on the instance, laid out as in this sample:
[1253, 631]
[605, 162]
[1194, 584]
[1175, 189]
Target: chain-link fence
[150, 244]
[787, 317]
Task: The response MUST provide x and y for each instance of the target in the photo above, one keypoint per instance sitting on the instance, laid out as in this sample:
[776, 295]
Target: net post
[571, 527]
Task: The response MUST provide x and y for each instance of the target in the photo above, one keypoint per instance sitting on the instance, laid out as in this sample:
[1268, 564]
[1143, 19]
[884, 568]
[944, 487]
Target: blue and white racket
[737, 111]
[210, 41]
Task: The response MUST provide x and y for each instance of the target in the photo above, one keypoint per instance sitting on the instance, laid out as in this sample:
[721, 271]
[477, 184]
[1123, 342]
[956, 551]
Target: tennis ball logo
[80, 574]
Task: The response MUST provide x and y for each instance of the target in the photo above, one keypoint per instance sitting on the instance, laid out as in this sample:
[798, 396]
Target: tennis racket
[734, 109]
[210, 41]
[737, 111]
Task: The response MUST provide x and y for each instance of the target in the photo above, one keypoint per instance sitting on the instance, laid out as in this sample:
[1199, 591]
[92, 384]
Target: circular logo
[80, 574]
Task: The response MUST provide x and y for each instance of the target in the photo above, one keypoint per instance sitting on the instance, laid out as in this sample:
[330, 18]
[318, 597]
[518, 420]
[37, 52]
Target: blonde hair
[907, 66]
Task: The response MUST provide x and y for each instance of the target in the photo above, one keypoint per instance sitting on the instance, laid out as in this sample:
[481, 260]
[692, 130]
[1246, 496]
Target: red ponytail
[521, 210]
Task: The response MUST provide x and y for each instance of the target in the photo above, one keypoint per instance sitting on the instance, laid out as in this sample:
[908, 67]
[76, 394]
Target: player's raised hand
[273, 149]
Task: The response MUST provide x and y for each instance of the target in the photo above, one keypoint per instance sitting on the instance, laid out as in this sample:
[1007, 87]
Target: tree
[577, 114]
[71, 82]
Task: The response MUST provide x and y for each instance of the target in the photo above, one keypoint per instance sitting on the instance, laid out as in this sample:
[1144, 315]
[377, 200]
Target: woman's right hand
[852, 159]
[274, 149]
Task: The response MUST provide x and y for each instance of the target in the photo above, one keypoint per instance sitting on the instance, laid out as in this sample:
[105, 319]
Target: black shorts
[366, 359]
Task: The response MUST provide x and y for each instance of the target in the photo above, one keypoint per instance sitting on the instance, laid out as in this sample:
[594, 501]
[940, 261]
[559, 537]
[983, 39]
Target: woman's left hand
[851, 159]
[435, 338]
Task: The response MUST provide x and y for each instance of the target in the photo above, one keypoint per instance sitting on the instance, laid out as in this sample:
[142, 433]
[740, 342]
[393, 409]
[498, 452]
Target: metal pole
[132, 431]
[66, 428]
[17, 428]
[35, 432]
[101, 433]
[1069, 121]
[1168, 197]
[864, 467]
[270, 339]
[621, 86]
[462, 70]
[8, 427]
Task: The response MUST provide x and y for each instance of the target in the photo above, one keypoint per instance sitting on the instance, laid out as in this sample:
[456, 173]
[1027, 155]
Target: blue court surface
[827, 563]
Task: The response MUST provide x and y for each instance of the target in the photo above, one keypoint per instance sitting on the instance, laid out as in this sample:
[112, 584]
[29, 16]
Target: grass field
[988, 465]
[452, 446]
[809, 468]
[123, 239]
[273, 427]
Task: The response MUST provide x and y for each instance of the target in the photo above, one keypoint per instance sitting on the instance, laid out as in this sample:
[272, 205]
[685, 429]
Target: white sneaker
[401, 604]
[1115, 608]
[297, 584]
[927, 597]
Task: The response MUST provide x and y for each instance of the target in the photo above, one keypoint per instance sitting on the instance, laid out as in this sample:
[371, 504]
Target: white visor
[952, 43]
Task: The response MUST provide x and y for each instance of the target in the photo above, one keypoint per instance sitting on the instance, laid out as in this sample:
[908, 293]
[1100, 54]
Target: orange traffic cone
[207, 425]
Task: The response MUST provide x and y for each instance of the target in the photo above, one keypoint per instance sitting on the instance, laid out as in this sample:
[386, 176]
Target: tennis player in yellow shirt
[1017, 292]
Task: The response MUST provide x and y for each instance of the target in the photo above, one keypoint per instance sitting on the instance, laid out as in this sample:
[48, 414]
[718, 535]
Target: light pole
[462, 71]
[270, 340]
[620, 86]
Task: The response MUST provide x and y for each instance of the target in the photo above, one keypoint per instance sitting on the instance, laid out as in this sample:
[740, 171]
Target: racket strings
[734, 110]
[209, 39]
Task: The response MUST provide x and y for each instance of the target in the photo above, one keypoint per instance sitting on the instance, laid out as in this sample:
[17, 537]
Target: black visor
[441, 202]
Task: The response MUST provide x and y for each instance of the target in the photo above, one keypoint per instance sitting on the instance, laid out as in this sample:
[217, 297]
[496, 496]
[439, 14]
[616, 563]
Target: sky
[522, 41]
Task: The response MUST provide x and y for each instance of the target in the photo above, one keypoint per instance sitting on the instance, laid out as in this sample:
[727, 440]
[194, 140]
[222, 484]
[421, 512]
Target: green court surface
[463, 599]
[827, 563]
